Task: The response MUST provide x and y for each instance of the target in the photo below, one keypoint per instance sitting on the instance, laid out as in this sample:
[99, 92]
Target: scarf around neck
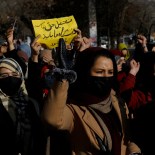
[103, 107]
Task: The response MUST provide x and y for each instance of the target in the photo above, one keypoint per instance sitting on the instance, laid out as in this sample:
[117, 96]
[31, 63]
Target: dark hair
[85, 60]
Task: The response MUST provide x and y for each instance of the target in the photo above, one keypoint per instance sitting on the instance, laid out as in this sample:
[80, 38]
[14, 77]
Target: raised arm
[56, 111]
[36, 46]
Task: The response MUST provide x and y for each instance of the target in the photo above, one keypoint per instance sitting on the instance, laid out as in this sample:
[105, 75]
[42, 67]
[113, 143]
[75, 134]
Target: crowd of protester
[76, 100]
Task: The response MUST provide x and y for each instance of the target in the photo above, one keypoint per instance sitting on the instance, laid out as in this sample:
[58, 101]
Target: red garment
[126, 81]
[137, 97]
[116, 52]
[43, 70]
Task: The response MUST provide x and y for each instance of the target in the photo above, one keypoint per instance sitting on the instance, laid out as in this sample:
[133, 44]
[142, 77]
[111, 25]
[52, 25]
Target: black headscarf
[85, 60]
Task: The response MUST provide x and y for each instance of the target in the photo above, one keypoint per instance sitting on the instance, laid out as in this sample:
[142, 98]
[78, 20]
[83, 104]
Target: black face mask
[99, 86]
[10, 85]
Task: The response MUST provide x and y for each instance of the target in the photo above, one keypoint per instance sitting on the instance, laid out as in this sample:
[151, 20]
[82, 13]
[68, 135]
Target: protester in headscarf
[124, 50]
[90, 112]
[25, 48]
[21, 112]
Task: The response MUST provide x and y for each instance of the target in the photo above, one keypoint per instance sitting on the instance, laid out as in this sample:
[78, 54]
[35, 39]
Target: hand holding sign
[84, 43]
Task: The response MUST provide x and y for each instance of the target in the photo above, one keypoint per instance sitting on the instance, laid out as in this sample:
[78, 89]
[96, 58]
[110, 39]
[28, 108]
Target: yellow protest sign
[51, 30]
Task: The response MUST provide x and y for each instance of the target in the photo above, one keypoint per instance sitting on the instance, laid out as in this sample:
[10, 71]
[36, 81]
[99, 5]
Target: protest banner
[51, 30]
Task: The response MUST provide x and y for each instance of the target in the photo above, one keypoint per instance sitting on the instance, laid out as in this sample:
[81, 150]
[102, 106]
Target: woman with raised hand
[89, 108]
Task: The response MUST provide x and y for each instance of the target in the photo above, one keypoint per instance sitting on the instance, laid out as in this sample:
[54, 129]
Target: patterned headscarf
[12, 65]
[16, 105]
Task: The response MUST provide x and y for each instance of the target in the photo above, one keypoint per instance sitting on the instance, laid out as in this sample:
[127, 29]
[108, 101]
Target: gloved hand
[64, 62]
[64, 58]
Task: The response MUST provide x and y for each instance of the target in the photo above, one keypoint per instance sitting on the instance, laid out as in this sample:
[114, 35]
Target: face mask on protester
[10, 85]
[99, 86]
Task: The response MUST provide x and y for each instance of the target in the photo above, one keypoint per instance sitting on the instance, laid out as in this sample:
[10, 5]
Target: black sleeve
[33, 82]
